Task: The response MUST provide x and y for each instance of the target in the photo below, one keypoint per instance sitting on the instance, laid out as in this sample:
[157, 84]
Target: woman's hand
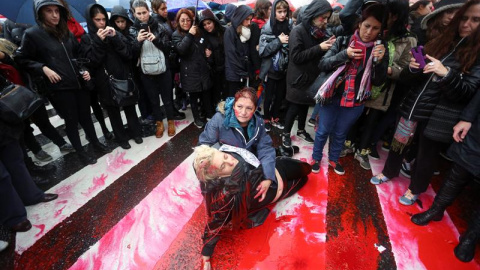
[142, 35]
[111, 31]
[206, 263]
[193, 30]
[435, 66]
[460, 130]
[52, 76]
[327, 44]
[262, 189]
[86, 76]
[283, 38]
[151, 37]
[354, 53]
[208, 52]
[379, 52]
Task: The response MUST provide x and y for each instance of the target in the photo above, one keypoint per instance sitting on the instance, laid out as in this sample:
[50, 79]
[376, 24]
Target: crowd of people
[372, 71]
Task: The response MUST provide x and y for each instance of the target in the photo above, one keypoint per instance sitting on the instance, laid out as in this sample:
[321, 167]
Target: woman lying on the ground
[228, 178]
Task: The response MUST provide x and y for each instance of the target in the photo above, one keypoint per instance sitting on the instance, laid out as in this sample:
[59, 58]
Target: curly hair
[261, 9]
[443, 43]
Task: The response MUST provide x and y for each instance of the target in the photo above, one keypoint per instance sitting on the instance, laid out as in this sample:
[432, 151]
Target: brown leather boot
[171, 128]
[160, 129]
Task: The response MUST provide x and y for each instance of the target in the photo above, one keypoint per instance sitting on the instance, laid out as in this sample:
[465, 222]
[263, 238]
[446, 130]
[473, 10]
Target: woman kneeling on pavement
[228, 178]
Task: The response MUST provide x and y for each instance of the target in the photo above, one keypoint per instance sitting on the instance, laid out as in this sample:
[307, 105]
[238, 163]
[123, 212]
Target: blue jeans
[334, 122]
[316, 109]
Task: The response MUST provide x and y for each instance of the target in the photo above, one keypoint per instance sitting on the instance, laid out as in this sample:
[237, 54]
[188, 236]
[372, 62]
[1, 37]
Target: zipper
[71, 65]
[244, 139]
[429, 79]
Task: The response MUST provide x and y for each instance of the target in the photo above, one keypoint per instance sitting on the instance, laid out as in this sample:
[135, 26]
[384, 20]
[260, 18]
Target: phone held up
[144, 26]
[419, 54]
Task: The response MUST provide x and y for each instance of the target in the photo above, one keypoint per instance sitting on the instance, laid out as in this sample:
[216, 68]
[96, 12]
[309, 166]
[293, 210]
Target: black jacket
[164, 23]
[39, 49]
[162, 40]
[214, 41]
[238, 61]
[194, 69]
[467, 153]
[457, 87]
[112, 54]
[305, 53]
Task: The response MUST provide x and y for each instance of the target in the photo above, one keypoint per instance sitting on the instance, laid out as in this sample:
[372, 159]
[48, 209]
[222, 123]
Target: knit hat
[439, 8]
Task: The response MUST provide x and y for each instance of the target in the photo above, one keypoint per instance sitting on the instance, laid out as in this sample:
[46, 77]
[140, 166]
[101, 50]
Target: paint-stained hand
[262, 189]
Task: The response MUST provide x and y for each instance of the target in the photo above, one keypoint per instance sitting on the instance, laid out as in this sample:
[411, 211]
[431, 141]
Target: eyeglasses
[185, 21]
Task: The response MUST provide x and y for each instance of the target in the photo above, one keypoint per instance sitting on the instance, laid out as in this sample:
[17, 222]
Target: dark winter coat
[214, 41]
[305, 53]
[467, 153]
[163, 22]
[9, 131]
[425, 93]
[162, 40]
[39, 49]
[260, 143]
[194, 69]
[238, 61]
[112, 54]
[269, 45]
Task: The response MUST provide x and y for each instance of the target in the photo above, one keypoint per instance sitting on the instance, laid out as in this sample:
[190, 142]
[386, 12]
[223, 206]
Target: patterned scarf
[316, 32]
[403, 134]
[349, 98]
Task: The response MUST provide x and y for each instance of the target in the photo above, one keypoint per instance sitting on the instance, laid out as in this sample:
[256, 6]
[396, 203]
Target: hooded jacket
[223, 128]
[238, 61]
[270, 44]
[120, 11]
[305, 54]
[39, 49]
[163, 22]
[112, 54]
[214, 40]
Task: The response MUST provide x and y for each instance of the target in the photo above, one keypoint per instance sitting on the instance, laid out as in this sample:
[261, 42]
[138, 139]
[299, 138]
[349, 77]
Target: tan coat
[401, 59]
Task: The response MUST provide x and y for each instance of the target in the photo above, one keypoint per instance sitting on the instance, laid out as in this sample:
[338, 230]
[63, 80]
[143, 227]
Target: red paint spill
[97, 183]
[181, 123]
[118, 161]
[59, 212]
[41, 227]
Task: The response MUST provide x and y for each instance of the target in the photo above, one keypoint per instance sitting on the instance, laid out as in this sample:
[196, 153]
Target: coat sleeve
[298, 53]
[404, 60]
[334, 57]
[121, 46]
[26, 56]
[472, 111]
[183, 44]
[136, 45]
[231, 54]
[211, 133]
[269, 44]
[266, 153]
[253, 43]
[460, 87]
[93, 48]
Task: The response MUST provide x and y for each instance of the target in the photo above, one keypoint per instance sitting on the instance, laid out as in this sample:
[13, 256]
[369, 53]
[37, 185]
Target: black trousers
[17, 188]
[219, 90]
[202, 101]
[41, 120]
[275, 91]
[457, 179]
[153, 85]
[74, 106]
[293, 110]
[97, 110]
[233, 87]
[117, 123]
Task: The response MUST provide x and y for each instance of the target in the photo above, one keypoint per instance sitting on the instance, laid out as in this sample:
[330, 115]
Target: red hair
[248, 93]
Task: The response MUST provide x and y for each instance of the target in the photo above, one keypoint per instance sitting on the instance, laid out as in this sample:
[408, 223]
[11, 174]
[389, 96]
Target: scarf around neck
[350, 69]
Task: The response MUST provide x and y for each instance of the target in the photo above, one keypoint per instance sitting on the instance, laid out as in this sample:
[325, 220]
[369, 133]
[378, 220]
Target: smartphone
[419, 55]
[358, 45]
[144, 26]
[110, 33]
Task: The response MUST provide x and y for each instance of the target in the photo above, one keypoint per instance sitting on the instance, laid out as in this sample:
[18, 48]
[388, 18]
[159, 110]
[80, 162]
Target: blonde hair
[7, 47]
[202, 163]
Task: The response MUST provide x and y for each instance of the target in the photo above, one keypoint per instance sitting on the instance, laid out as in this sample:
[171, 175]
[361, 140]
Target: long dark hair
[398, 8]
[261, 9]
[448, 39]
[190, 15]
[417, 4]
[60, 31]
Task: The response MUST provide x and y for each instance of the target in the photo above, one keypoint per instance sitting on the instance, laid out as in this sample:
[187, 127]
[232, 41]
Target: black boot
[85, 158]
[101, 148]
[465, 250]
[435, 213]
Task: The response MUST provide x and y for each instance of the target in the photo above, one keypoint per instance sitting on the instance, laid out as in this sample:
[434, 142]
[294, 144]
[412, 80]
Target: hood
[229, 10]
[315, 9]
[38, 4]
[272, 14]
[207, 14]
[439, 8]
[240, 14]
[92, 29]
[119, 11]
[300, 14]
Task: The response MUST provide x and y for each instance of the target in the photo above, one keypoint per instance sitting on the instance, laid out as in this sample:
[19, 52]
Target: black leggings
[74, 107]
[294, 175]
[275, 91]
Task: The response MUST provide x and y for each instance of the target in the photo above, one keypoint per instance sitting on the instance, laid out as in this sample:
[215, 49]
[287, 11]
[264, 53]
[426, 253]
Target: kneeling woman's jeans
[334, 122]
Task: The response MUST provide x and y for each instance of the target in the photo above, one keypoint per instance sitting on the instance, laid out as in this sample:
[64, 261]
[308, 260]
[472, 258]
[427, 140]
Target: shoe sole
[360, 163]
[284, 145]
[407, 203]
[405, 174]
[310, 124]
[385, 149]
[315, 171]
[338, 172]
[305, 140]
[45, 159]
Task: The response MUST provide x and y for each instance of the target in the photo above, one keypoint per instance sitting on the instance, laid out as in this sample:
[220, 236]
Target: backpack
[152, 60]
